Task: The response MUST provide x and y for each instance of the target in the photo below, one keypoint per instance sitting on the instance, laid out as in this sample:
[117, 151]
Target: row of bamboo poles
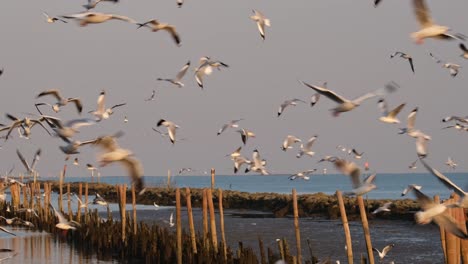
[151, 243]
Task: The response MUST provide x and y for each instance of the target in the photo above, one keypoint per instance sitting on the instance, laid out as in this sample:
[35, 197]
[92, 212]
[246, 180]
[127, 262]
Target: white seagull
[409, 188]
[63, 223]
[171, 220]
[303, 175]
[155, 26]
[60, 100]
[389, 117]
[206, 68]
[307, 148]
[91, 4]
[258, 164]
[404, 56]
[453, 68]
[383, 208]
[384, 252]
[86, 18]
[177, 80]
[52, 19]
[171, 128]
[410, 130]
[151, 98]
[428, 28]
[261, 21]
[451, 163]
[101, 111]
[345, 105]
[245, 134]
[29, 169]
[289, 141]
[351, 169]
[232, 124]
[287, 103]
[356, 154]
[238, 161]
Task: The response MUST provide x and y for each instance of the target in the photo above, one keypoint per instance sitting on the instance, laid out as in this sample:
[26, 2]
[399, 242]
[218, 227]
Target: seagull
[307, 148]
[68, 129]
[389, 117]
[351, 169]
[287, 103]
[384, 252]
[409, 188]
[113, 153]
[261, 21]
[155, 205]
[232, 124]
[238, 161]
[7, 231]
[73, 145]
[28, 210]
[91, 168]
[171, 220]
[206, 68]
[185, 170]
[453, 68]
[383, 208]
[125, 119]
[80, 203]
[287, 143]
[465, 51]
[176, 81]
[436, 212]
[410, 130]
[451, 163]
[91, 5]
[29, 169]
[235, 153]
[63, 223]
[245, 134]
[421, 146]
[86, 18]
[328, 158]
[171, 128]
[356, 154]
[457, 118]
[10, 221]
[404, 56]
[99, 200]
[51, 19]
[26, 124]
[344, 104]
[258, 164]
[60, 100]
[75, 162]
[102, 112]
[412, 166]
[463, 202]
[428, 28]
[314, 99]
[302, 174]
[155, 25]
[152, 96]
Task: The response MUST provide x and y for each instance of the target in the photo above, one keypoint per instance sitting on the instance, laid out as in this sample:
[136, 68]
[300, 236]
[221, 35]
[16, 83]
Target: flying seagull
[155, 26]
[206, 68]
[86, 18]
[232, 124]
[171, 128]
[91, 4]
[404, 56]
[261, 21]
[113, 153]
[428, 28]
[384, 252]
[389, 117]
[63, 223]
[60, 100]
[151, 98]
[289, 141]
[383, 208]
[101, 111]
[356, 154]
[307, 148]
[451, 163]
[29, 169]
[465, 51]
[245, 135]
[345, 105]
[177, 80]
[287, 103]
[303, 175]
[351, 169]
[258, 164]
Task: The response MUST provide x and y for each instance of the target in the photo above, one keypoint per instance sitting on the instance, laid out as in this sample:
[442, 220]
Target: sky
[346, 43]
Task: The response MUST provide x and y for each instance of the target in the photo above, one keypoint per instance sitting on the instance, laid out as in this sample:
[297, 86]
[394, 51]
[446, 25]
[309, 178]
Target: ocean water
[389, 186]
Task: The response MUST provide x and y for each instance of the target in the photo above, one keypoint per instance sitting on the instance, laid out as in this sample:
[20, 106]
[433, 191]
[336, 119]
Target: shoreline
[318, 205]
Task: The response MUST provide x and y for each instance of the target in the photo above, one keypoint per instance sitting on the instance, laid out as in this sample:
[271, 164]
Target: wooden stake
[122, 191]
[205, 218]
[86, 202]
[221, 222]
[78, 213]
[442, 233]
[296, 226]
[214, 238]
[451, 242]
[135, 224]
[212, 178]
[365, 227]
[70, 212]
[344, 219]
[60, 200]
[178, 228]
[190, 219]
[168, 179]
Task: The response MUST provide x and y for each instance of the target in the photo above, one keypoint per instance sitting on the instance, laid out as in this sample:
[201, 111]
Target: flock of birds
[67, 130]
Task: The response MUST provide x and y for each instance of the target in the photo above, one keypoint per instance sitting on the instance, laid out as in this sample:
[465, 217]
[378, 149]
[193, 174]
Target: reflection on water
[36, 247]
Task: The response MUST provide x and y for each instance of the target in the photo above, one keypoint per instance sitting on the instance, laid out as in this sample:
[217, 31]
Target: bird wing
[410, 60]
[172, 30]
[382, 104]
[412, 118]
[387, 248]
[445, 181]
[449, 224]
[423, 199]
[309, 143]
[59, 215]
[101, 108]
[370, 178]
[462, 46]
[314, 99]
[182, 72]
[421, 146]
[328, 93]
[135, 171]
[23, 160]
[221, 130]
[36, 159]
[53, 92]
[123, 18]
[395, 111]
[77, 123]
[7, 231]
[172, 132]
[77, 103]
[422, 13]
[118, 105]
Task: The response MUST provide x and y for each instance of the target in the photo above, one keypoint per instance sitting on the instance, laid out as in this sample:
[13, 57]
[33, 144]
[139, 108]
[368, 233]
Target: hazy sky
[347, 43]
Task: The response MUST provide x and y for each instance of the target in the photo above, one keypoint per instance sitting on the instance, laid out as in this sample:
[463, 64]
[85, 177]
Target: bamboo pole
[296, 226]
[135, 224]
[451, 242]
[442, 233]
[205, 218]
[280, 247]
[464, 242]
[168, 179]
[70, 212]
[25, 197]
[86, 202]
[263, 259]
[365, 227]
[122, 191]
[62, 176]
[78, 214]
[212, 178]
[190, 219]
[178, 228]
[221, 223]
[214, 238]
[344, 219]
